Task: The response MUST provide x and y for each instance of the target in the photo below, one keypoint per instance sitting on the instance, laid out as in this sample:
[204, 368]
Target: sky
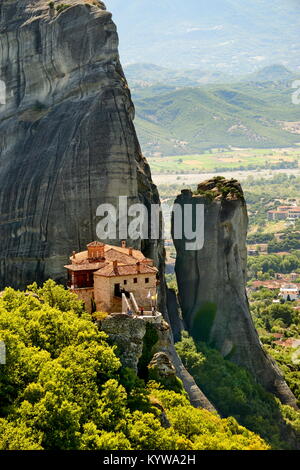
[234, 36]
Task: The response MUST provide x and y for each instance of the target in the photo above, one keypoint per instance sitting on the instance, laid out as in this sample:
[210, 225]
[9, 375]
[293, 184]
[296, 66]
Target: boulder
[162, 364]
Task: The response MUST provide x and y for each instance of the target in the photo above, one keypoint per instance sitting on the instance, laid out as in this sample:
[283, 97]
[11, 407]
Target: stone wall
[87, 296]
[104, 290]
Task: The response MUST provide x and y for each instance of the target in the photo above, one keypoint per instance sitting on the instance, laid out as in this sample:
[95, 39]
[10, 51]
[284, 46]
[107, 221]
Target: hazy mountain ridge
[142, 75]
[275, 72]
[145, 74]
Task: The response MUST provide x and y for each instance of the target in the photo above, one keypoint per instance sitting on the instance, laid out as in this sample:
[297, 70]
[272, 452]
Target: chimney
[74, 254]
[123, 244]
[138, 267]
[96, 251]
[130, 251]
[115, 266]
[101, 252]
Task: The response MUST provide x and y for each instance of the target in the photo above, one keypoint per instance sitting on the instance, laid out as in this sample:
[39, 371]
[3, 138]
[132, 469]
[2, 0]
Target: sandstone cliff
[212, 280]
[67, 140]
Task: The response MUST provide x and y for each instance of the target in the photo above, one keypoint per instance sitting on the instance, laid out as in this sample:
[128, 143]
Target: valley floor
[195, 178]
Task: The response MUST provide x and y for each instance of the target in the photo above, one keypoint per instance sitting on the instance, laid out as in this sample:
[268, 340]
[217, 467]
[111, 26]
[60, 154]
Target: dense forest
[63, 387]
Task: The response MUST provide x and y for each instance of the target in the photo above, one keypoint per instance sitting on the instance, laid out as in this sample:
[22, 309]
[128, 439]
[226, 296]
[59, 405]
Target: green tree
[63, 387]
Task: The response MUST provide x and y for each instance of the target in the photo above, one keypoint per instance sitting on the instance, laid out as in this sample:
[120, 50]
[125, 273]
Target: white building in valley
[289, 292]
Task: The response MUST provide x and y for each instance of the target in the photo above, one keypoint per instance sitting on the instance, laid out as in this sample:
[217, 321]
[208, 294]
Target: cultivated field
[219, 160]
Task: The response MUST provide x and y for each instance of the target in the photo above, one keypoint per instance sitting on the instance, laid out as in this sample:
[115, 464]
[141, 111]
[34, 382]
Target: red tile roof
[275, 284]
[277, 212]
[96, 243]
[85, 266]
[277, 335]
[267, 284]
[125, 270]
[122, 256]
[137, 255]
[288, 343]
[126, 258]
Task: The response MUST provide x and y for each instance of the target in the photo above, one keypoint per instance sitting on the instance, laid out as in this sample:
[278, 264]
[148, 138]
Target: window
[135, 280]
[147, 280]
[117, 290]
[125, 282]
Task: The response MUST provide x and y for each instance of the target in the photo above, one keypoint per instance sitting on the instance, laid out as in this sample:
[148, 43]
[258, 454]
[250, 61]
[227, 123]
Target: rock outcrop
[211, 283]
[67, 140]
[140, 344]
[162, 364]
[127, 334]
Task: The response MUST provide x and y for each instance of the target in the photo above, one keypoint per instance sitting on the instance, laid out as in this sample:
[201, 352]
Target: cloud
[212, 28]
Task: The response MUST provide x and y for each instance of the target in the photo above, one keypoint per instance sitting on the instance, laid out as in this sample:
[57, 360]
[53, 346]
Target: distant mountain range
[149, 74]
[271, 73]
[143, 75]
[232, 37]
[211, 74]
[183, 120]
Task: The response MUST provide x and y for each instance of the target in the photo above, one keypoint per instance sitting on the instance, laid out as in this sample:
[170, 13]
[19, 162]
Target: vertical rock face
[212, 281]
[174, 314]
[127, 334]
[67, 140]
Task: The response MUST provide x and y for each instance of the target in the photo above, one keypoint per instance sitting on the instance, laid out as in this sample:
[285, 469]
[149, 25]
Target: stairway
[129, 304]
